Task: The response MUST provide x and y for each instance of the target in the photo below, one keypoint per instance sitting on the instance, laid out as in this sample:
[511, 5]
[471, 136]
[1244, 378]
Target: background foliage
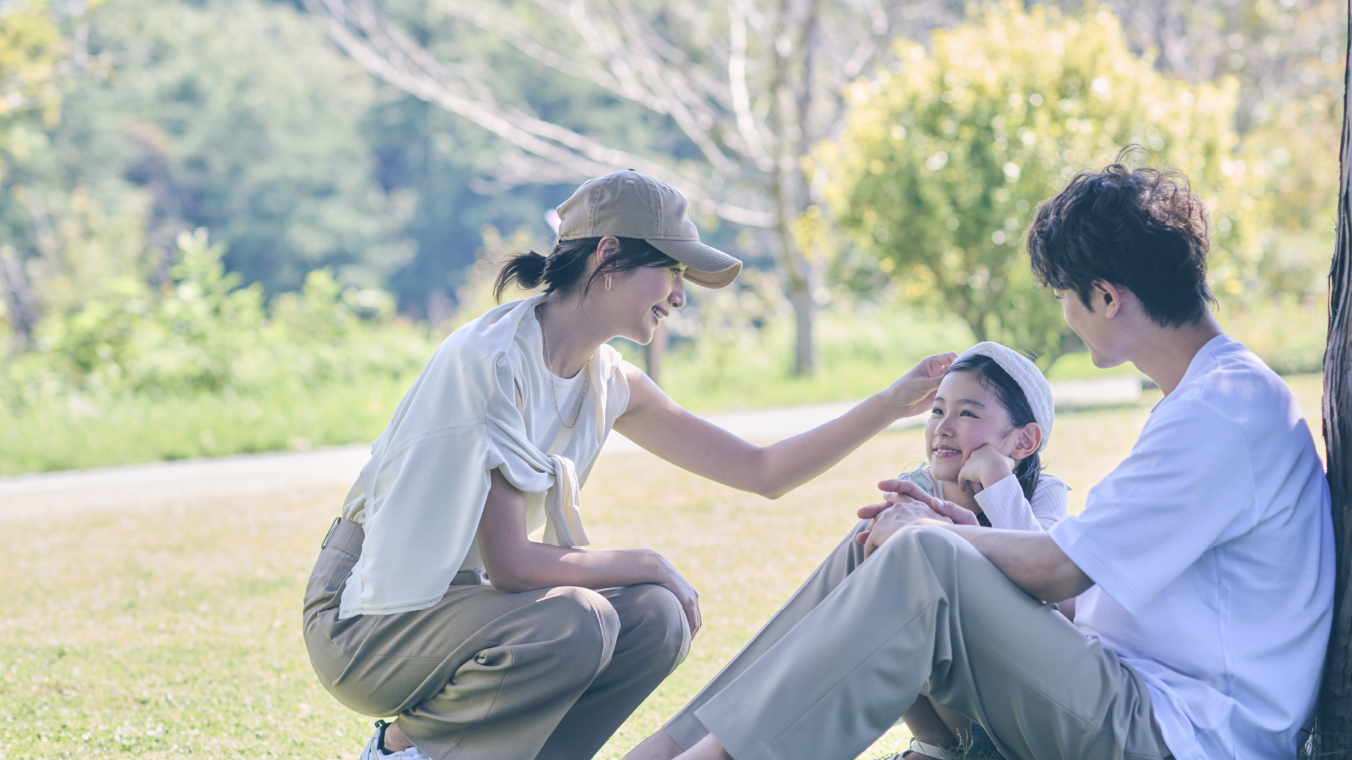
[351, 222]
[947, 152]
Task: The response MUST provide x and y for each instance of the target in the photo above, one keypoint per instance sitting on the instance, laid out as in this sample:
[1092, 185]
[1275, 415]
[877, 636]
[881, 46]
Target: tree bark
[19, 301]
[1334, 727]
[656, 350]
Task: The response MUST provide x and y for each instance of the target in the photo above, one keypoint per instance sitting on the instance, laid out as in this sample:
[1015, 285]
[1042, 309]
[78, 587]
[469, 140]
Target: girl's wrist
[989, 479]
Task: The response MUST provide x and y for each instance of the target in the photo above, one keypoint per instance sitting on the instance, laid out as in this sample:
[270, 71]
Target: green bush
[204, 368]
[946, 154]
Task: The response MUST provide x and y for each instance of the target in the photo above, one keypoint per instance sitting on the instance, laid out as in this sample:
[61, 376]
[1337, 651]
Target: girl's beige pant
[486, 674]
[926, 614]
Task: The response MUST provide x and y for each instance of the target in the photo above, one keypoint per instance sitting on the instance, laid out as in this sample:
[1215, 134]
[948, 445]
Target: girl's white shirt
[483, 402]
[1004, 503]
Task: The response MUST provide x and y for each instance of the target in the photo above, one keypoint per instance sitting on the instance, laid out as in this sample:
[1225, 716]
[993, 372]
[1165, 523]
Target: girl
[990, 418]
[430, 602]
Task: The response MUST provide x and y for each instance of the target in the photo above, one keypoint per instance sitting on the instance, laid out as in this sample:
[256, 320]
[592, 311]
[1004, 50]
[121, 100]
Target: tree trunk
[804, 312]
[19, 301]
[801, 278]
[1334, 729]
[657, 348]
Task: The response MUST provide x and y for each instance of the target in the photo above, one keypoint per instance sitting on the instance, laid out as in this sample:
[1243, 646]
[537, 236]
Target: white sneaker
[373, 749]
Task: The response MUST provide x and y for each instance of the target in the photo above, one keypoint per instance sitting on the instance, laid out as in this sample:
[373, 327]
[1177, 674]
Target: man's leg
[684, 729]
[928, 609]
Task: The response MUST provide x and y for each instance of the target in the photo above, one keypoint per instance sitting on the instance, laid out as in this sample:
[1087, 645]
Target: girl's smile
[966, 416]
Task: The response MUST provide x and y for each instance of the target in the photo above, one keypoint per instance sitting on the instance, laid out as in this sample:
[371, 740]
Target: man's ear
[1030, 438]
[1111, 295]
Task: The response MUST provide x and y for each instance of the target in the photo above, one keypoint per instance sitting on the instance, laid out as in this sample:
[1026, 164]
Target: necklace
[552, 391]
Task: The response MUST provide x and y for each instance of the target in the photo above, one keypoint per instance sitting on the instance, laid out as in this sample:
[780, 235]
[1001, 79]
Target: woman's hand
[984, 468]
[671, 579]
[914, 391]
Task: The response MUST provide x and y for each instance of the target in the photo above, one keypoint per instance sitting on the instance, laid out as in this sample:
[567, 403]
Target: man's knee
[921, 542]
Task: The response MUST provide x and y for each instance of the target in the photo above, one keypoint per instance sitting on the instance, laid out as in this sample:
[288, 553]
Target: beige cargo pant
[926, 614]
[486, 674]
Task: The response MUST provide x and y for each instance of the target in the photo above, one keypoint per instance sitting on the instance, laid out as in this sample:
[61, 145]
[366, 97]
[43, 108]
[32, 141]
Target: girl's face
[966, 416]
[643, 297]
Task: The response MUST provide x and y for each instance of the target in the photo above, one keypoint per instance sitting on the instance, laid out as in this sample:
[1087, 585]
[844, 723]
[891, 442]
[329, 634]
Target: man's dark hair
[1140, 229]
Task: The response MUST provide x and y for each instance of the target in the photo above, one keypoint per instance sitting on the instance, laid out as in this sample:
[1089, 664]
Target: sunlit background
[242, 226]
[238, 226]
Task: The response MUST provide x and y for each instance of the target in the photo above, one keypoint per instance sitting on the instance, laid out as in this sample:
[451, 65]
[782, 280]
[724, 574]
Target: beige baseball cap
[633, 205]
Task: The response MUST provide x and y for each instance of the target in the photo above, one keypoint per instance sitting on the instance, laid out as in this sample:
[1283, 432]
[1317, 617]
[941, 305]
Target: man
[1203, 565]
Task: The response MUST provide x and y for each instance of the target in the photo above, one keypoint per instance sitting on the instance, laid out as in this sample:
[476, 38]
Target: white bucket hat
[633, 205]
[1029, 378]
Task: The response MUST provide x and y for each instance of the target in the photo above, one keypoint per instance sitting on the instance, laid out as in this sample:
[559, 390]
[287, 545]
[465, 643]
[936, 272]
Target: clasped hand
[906, 503]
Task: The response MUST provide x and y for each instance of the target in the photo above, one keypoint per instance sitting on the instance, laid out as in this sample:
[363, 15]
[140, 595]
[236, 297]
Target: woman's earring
[607, 282]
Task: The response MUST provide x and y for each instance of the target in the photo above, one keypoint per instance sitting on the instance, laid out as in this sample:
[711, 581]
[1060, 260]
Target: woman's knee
[585, 624]
[657, 622]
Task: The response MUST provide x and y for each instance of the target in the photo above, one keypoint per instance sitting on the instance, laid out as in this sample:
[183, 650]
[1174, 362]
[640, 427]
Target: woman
[991, 417]
[430, 602]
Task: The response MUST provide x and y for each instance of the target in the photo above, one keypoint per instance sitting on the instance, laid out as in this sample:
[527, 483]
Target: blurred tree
[432, 168]
[744, 88]
[1267, 45]
[237, 116]
[31, 50]
[945, 154]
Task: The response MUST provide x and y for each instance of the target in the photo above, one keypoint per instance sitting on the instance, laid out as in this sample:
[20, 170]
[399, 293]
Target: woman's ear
[1030, 438]
[609, 246]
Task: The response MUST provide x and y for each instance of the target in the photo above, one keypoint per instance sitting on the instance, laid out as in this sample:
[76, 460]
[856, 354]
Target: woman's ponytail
[565, 268]
[527, 270]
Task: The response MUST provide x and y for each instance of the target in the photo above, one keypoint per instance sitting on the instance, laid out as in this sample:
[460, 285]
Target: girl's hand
[672, 580]
[914, 391]
[984, 468]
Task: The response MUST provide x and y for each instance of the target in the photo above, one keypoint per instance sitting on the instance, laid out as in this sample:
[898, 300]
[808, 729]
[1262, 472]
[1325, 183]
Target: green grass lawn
[64, 433]
[172, 630]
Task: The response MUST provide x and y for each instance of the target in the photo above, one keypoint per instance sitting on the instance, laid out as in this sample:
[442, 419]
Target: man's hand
[901, 509]
[958, 515]
[984, 468]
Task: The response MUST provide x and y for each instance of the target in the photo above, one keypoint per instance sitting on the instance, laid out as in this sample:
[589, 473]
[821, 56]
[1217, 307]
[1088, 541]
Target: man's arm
[1032, 560]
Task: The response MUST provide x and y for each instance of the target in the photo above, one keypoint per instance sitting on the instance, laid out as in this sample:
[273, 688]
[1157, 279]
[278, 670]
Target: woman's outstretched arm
[661, 426]
[515, 563]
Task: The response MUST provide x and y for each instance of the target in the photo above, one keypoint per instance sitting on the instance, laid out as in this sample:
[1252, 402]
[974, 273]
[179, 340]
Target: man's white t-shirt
[1211, 548]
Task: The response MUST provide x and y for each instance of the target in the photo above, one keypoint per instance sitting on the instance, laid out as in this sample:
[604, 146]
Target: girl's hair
[994, 377]
[563, 269]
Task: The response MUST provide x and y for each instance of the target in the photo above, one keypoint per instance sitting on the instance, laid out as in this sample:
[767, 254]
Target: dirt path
[62, 494]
